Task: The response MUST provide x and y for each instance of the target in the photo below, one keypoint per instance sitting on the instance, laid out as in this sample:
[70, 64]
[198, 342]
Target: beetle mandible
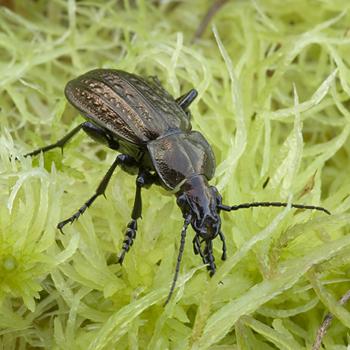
[152, 132]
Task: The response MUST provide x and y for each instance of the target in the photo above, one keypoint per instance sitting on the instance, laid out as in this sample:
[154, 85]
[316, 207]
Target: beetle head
[200, 200]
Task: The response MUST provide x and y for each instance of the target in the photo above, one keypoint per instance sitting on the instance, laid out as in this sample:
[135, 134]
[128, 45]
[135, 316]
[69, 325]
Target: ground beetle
[137, 117]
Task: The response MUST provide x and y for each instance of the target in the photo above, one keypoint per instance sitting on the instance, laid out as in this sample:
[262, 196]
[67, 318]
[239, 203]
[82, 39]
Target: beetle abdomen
[177, 157]
[129, 106]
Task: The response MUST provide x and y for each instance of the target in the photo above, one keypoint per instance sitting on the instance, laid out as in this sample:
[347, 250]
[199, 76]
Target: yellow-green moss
[273, 81]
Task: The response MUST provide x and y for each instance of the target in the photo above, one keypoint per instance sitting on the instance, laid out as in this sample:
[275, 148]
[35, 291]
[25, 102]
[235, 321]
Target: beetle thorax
[197, 198]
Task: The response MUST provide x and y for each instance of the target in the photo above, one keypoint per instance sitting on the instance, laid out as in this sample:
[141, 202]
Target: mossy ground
[273, 81]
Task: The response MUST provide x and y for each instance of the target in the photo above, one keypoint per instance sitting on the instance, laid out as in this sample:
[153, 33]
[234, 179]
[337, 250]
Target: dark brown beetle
[152, 131]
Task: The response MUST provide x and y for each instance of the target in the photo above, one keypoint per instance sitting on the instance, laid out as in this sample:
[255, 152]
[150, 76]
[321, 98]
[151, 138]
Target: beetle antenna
[179, 257]
[270, 204]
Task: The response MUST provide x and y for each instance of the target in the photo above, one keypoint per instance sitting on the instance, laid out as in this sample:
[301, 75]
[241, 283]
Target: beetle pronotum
[152, 132]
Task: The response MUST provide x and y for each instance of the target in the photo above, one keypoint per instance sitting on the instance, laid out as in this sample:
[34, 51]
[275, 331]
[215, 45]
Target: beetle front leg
[222, 237]
[209, 258]
[207, 255]
[122, 159]
[143, 179]
[197, 248]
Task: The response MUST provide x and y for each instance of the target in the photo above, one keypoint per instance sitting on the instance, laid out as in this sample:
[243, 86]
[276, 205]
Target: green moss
[273, 82]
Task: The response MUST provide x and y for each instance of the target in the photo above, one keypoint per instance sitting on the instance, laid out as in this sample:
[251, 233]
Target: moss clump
[273, 82]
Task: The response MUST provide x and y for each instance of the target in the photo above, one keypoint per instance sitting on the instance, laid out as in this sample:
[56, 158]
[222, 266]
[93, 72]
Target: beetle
[152, 132]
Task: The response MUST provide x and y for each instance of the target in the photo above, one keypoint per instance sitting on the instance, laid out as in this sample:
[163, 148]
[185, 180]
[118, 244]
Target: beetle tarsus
[197, 248]
[196, 245]
[120, 159]
[63, 223]
[130, 235]
[207, 255]
[222, 237]
[144, 179]
[76, 215]
[208, 251]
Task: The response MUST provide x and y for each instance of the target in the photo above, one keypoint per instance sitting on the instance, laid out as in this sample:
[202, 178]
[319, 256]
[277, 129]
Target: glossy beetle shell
[179, 156]
[141, 112]
[135, 109]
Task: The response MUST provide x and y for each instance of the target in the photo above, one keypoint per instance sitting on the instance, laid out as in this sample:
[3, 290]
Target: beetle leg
[222, 237]
[197, 248]
[143, 179]
[186, 99]
[122, 159]
[100, 135]
[209, 258]
[204, 255]
[60, 143]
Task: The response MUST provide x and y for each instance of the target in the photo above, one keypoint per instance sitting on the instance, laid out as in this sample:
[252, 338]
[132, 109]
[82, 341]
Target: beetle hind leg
[100, 135]
[59, 144]
[185, 100]
[95, 132]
